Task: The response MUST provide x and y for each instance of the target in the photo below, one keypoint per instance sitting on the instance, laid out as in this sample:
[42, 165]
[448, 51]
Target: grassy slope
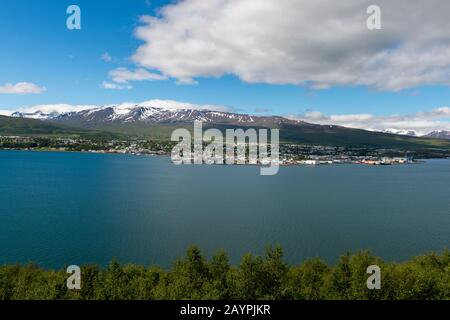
[33, 127]
[149, 131]
[304, 134]
[340, 136]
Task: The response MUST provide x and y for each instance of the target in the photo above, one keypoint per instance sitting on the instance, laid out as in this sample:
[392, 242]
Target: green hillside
[341, 136]
[33, 127]
[304, 133]
[301, 133]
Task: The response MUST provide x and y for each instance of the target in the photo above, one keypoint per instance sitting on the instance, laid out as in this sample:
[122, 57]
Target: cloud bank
[319, 43]
[421, 122]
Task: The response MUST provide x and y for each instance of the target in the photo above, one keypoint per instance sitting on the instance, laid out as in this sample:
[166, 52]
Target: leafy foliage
[267, 277]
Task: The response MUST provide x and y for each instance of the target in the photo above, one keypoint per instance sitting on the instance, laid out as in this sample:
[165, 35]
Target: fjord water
[58, 209]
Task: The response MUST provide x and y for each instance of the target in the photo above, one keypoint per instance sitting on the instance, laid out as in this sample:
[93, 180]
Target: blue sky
[36, 47]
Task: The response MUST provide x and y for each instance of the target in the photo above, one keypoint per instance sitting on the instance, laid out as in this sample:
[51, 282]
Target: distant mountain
[401, 132]
[149, 114]
[157, 122]
[36, 115]
[440, 134]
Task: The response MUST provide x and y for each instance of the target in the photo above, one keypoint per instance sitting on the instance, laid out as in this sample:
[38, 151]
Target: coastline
[307, 163]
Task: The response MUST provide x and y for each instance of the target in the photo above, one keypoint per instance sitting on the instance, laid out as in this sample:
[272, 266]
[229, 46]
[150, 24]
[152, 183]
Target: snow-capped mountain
[149, 115]
[401, 132]
[167, 112]
[153, 111]
[410, 133]
[36, 115]
[439, 134]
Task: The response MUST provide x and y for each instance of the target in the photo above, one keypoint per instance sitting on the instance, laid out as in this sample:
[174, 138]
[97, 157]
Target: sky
[310, 60]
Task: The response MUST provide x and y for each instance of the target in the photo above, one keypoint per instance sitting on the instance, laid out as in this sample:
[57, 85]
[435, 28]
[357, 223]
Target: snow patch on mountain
[52, 111]
[401, 132]
[151, 111]
[439, 134]
[148, 111]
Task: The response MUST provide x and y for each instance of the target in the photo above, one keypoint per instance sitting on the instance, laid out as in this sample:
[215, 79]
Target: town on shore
[290, 154]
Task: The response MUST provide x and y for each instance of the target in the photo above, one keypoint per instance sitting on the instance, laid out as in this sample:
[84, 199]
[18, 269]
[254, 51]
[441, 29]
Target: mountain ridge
[150, 114]
[439, 134]
[167, 111]
[149, 121]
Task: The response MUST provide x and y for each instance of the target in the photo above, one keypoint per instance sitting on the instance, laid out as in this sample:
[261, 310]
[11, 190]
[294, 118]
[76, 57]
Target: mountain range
[129, 114]
[157, 122]
[439, 134]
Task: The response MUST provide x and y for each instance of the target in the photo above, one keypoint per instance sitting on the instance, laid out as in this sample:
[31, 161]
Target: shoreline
[305, 163]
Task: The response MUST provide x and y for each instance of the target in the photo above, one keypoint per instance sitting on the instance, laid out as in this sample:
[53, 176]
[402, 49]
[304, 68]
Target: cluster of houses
[352, 160]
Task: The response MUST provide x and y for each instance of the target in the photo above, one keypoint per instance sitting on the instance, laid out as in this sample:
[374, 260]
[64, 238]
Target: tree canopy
[255, 277]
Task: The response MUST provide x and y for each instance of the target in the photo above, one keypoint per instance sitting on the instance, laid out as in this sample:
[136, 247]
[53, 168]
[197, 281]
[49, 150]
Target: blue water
[58, 209]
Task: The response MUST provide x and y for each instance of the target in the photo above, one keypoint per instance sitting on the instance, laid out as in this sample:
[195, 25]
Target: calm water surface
[72, 208]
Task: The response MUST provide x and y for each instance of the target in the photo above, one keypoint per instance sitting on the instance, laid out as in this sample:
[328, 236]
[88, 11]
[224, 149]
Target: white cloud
[5, 112]
[59, 108]
[115, 86]
[106, 57]
[123, 75]
[421, 122]
[21, 88]
[319, 43]
[177, 105]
